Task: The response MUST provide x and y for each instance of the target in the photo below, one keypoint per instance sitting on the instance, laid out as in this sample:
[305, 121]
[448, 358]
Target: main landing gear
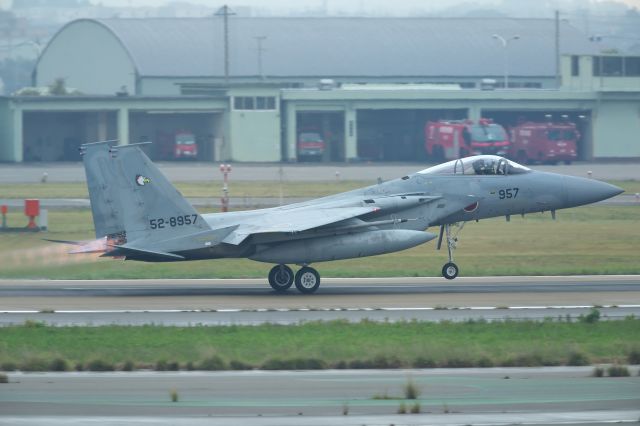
[450, 270]
[307, 279]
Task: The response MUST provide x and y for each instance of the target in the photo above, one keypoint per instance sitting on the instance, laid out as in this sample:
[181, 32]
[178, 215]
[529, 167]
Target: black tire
[281, 278]
[307, 280]
[450, 270]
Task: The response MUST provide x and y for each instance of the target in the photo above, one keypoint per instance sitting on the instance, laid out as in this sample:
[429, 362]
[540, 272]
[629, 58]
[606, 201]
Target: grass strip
[595, 239]
[319, 345]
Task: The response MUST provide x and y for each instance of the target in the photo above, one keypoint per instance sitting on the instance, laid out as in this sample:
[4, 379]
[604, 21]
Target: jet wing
[296, 220]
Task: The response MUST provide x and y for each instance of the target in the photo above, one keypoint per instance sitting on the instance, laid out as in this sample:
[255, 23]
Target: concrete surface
[550, 395]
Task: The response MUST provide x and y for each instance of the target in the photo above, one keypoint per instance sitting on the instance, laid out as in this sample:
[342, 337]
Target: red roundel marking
[471, 207]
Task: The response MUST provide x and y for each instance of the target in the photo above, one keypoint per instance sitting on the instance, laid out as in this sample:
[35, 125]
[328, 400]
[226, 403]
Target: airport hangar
[382, 80]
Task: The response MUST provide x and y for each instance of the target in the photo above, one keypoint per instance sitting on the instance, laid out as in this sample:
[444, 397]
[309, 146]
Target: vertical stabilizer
[130, 197]
[106, 205]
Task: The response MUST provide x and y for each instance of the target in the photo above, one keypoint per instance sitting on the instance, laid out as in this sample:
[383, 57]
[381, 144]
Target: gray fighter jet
[140, 216]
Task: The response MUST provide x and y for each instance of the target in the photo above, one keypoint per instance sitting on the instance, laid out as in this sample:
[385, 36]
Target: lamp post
[225, 12]
[505, 46]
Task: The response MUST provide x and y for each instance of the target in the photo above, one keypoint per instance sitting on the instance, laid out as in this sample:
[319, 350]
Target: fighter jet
[139, 215]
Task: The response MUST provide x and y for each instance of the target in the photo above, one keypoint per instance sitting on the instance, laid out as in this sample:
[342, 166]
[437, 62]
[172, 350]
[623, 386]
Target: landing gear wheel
[281, 278]
[450, 270]
[307, 280]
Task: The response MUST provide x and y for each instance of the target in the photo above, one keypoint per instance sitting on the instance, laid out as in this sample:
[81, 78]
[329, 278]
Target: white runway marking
[366, 309]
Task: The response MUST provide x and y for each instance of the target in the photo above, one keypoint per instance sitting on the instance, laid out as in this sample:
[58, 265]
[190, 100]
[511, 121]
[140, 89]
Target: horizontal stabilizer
[94, 246]
[69, 242]
[142, 254]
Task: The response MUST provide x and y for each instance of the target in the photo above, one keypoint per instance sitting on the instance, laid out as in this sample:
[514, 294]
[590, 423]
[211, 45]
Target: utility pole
[259, 40]
[225, 12]
[557, 19]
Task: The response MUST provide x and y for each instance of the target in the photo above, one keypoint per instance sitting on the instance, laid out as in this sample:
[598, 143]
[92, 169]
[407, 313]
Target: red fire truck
[544, 142]
[451, 139]
[185, 145]
[310, 146]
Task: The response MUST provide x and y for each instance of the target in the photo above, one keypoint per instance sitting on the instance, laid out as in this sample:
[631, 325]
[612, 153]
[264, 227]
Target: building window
[575, 66]
[266, 102]
[239, 102]
[609, 66]
[254, 103]
[612, 66]
[632, 66]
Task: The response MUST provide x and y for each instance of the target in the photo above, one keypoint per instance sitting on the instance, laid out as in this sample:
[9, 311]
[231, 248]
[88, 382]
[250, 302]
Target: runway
[251, 301]
[550, 395]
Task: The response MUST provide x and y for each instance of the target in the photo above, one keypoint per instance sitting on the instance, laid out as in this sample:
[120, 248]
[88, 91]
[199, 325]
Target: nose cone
[585, 191]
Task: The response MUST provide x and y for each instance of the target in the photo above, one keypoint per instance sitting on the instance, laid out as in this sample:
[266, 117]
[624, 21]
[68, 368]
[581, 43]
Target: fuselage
[458, 193]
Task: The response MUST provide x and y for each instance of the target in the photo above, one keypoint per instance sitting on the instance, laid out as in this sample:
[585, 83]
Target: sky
[301, 4]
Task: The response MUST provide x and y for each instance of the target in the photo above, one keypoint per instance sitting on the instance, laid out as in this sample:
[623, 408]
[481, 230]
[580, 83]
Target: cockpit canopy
[478, 165]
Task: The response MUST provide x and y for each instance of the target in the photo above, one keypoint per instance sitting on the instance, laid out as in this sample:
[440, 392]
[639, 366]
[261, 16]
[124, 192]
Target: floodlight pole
[505, 46]
[225, 12]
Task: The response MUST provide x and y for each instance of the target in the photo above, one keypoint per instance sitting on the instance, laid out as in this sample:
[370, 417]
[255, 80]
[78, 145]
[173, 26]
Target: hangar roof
[346, 46]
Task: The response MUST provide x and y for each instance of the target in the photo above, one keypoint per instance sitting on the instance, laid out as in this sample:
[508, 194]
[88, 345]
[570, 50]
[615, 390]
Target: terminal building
[367, 85]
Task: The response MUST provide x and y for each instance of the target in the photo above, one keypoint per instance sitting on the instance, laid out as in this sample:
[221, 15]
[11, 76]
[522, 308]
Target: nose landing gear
[450, 270]
[307, 279]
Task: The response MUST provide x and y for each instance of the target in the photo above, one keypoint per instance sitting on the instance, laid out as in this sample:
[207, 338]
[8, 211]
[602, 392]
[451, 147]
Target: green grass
[214, 189]
[585, 240]
[336, 344]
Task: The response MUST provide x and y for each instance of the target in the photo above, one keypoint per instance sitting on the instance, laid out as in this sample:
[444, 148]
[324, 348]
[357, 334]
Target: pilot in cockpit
[490, 166]
[482, 167]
